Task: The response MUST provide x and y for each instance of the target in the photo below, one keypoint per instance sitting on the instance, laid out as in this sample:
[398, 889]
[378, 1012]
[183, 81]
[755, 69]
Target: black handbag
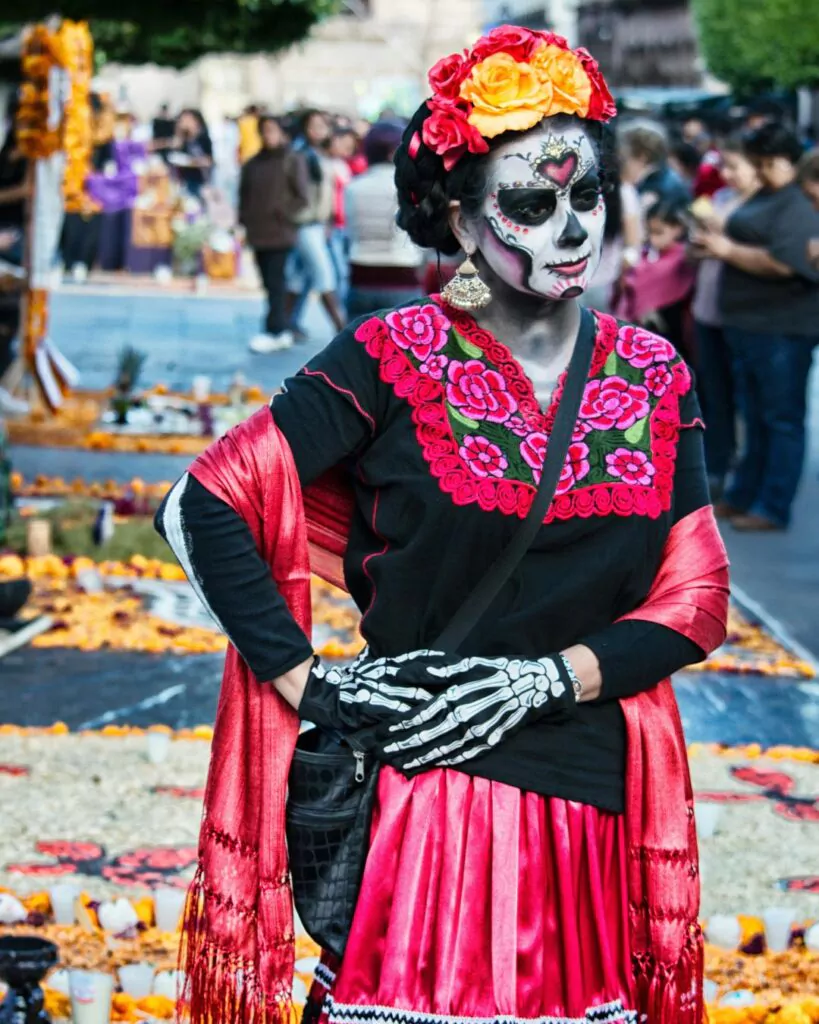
[332, 785]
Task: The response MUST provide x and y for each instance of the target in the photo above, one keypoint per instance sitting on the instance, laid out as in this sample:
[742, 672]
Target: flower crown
[509, 81]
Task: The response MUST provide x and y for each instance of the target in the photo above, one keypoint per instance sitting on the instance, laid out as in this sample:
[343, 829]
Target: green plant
[756, 44]
[137, 31]
[129, 366]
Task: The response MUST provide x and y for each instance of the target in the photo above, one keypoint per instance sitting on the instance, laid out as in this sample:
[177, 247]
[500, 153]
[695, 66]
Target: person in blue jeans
[769, 304]
[716, 385]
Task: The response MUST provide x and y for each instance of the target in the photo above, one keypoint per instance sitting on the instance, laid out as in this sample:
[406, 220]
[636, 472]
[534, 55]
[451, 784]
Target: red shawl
[239, 942]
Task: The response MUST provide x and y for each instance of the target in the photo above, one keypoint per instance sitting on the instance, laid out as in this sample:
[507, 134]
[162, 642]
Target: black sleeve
[332, 407]
[216, 549]
[635, 655]
[795, 230]
[326, 412]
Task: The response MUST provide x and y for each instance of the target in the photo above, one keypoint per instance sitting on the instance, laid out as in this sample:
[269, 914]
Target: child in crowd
[657, 292]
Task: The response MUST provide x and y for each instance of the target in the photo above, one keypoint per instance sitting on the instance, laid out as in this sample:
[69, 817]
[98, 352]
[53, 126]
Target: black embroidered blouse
[445, 441]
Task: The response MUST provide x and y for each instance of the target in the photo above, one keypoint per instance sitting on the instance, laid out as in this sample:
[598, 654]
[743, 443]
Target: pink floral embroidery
[479, 392]
[434, 367]
[533, 452]
[518, 426]
[482, 456]
[632, 467]
[575, 468]
[421, 329]
[432, 416]
[641, 348]
[659, 379]
[613, 402]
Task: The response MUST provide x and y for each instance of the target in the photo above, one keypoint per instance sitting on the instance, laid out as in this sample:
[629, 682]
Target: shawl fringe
[238, 946]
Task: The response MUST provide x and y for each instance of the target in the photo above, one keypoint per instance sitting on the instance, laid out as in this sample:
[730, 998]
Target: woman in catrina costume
[533, 854]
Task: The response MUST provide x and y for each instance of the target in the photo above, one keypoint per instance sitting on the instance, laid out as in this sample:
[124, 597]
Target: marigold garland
[43, 53]
[78, 47]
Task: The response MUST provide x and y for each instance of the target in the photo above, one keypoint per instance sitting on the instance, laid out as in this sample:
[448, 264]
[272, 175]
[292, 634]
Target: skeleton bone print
[544, 215]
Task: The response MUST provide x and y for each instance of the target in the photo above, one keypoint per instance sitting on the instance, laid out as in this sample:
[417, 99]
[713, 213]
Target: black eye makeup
[585, 194]
[527, 206]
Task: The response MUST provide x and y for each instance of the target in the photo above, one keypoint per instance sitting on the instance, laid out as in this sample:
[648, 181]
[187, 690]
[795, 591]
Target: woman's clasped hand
[485, 701]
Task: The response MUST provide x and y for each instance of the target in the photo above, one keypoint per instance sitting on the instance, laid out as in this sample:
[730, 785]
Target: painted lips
[569, 269]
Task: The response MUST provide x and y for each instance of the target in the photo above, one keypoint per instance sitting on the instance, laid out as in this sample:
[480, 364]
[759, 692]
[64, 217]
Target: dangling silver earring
[466, 290]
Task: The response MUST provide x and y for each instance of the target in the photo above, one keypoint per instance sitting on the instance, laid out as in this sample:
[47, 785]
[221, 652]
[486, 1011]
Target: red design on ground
[16, 771]
[149, 866]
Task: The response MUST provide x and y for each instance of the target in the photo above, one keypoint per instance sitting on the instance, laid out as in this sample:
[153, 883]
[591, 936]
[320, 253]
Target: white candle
[778, 923]
[91, 997]
[707, 816]
[63, 901]
[168, 906]
[710, 990]
[201, 388]
[137, 980]
[724, 930]
[159, 744]
[169, 984]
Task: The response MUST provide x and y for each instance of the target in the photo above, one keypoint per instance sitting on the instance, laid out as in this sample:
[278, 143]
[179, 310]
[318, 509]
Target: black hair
[425, 188]
[772, 140]
[809, 167]
[668, 211]
[307, 116]
[687, 156]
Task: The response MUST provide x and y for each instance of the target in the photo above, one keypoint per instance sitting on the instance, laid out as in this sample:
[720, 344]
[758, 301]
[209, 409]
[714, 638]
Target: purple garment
[118, 192]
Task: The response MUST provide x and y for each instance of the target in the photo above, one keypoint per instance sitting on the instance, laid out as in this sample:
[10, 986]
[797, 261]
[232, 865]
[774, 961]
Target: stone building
[642, 42]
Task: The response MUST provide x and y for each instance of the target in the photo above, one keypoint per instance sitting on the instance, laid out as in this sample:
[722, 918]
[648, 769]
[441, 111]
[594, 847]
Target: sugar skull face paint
[541, 224]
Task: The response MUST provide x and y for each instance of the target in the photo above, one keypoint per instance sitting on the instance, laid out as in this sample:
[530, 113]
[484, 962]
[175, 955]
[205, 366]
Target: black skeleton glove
[364, 693]
[487, 700]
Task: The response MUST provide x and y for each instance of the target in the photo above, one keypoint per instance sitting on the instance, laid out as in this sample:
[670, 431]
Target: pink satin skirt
[480, 903]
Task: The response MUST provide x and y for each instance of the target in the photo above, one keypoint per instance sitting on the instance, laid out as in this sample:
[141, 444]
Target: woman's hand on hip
[364, 693]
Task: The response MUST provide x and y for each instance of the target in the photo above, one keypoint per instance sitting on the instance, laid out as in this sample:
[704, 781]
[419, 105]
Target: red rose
[519, 43]
[479, 392]
[533, 452]
[448, 133]
[553, 39]
[446, 76]
[613, 402]
[575, 468]
[483, 457]
[641, 348]
[601, 105]
[507, 497]
[659, 379]
[631, 466]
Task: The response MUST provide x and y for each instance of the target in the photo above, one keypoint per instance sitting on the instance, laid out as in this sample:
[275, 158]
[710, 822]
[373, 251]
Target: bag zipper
[359, 765]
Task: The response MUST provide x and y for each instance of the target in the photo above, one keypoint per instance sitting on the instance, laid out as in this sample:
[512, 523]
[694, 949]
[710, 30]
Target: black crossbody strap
[482, 596]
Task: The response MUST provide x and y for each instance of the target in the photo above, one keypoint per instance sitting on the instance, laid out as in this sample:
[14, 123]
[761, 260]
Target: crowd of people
[712, 240]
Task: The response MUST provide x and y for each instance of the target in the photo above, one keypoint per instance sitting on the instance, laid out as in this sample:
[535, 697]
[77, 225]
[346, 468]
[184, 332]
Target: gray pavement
[182, 335]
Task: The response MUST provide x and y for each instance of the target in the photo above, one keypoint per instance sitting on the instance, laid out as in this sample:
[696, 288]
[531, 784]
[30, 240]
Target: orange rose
[505, 96]
[571, 85]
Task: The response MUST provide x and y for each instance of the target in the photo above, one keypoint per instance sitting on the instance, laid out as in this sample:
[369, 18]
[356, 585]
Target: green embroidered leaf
[460, 418]
[610, 366]
[634, 435]
[466, 346]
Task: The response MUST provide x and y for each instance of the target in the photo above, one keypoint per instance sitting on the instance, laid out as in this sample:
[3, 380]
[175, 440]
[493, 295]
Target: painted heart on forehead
[540, 227]
[559, 170]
